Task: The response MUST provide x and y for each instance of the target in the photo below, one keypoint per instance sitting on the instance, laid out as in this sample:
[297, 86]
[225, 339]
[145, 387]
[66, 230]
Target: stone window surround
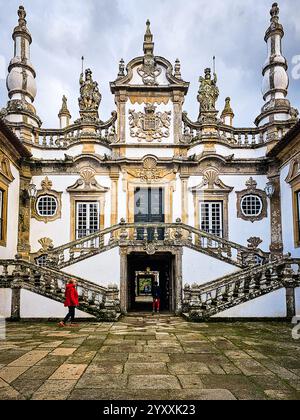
[293, 179]
[212, 189]
[204, 196]
[6, 178]
[4, 189]
[255, 197]
[47, 191]
[84, 197]
[252, 190]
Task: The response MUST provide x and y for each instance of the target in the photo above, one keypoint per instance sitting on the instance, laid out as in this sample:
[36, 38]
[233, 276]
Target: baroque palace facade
[209, 210]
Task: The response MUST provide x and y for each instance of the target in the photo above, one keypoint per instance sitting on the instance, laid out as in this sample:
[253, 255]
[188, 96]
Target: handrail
[174, 234]
[204, 300]
[186, 227]
[53, 272]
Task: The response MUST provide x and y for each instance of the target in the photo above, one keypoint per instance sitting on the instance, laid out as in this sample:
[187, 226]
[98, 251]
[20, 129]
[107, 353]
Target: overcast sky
[192, 30]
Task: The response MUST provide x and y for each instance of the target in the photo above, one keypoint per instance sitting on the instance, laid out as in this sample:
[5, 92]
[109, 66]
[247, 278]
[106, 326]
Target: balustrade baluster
[145, 234]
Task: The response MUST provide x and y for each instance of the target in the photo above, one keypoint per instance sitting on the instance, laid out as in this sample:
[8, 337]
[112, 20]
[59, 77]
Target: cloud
[106, 30]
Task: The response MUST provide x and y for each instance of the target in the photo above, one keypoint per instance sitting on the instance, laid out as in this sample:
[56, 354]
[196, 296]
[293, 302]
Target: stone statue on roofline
[208, 92]
[90, 96]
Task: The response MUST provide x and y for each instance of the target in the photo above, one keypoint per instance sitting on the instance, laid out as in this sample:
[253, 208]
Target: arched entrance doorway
[143, 271]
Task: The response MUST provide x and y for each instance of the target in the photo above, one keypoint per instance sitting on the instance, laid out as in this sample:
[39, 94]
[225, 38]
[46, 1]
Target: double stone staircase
[258, 274]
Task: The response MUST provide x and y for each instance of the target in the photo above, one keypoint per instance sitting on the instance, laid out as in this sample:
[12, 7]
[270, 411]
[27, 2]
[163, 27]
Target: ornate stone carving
[254, 242]
[294, 171]
[208, 92]
[149, 172]
[5, 172]
[251, 189]
[46, 243]
[151, 249]
[46, 190]
[150, 125]
[212, 182]
[149, 71]
[87, 182]
[90, 98]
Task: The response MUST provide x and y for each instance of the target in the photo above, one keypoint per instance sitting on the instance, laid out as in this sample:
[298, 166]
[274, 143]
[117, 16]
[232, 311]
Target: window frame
[210, 203]
[89, 203]
[252, 196]
[3, 227]
[43, 196]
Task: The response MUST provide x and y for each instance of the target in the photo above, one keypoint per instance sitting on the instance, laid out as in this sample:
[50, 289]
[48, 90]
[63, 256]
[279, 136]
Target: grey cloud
[192, 30]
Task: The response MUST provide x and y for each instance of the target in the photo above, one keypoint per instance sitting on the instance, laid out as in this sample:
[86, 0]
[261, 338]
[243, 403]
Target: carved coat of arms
[150, 125]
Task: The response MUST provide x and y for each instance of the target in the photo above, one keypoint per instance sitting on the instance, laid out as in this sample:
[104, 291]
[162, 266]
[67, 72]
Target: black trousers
[71, 314]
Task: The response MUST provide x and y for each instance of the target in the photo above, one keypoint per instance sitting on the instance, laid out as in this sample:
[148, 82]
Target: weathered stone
[153, 382]
[54, 390]
[9, 374]
[68, 372]
[29, 359]
[105, 381]
[189, 367]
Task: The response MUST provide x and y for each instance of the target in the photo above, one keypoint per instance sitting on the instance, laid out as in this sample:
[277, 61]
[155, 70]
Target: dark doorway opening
[143, 271]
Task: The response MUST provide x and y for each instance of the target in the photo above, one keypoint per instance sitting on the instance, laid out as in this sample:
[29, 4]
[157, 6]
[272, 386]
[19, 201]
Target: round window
[251, 206]
[46, 206]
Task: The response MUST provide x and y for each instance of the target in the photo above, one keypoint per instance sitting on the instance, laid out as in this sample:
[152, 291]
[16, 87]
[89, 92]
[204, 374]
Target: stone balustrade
[152, 236]
[204, 301]
[103, 303]
[234, 137]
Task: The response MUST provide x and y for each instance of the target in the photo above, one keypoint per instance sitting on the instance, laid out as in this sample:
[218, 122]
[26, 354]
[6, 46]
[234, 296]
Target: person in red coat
[71, 302]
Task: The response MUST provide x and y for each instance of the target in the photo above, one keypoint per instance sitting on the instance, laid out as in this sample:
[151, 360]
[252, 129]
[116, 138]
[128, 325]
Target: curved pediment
[150, 73]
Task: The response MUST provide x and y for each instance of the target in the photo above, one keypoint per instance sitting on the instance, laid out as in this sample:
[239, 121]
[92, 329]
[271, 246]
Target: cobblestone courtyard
[150, 358]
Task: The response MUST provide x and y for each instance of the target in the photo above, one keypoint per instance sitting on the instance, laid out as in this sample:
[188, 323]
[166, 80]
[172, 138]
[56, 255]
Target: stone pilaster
[24, 219]
[114, 198]
[121, 103]
[178, 99]
[178, 282]
[276, 246]
[290, 302]
[184, 199]
[123, 280]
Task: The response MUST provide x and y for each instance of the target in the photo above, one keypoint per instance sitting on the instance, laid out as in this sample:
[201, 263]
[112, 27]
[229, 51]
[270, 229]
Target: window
[41, 261]
[251, 206]
[1, 215]
[211, 217]
[149, 208]
[46, 206]
[87, 218]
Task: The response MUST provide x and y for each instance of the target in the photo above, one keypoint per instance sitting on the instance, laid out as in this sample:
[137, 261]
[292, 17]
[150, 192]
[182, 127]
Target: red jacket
[71, 295]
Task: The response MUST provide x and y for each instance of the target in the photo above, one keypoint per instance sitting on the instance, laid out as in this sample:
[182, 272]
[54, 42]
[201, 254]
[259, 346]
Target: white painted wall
[60, 230]
[74, 151]
[10, 250]
[35, 306]
[272, 305]
[200, 268]
[239, 230]
[5, 303]
[102, 269]
[141, 152]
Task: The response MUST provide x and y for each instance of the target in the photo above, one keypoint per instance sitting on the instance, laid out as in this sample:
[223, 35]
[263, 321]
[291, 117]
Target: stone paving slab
[150, 358]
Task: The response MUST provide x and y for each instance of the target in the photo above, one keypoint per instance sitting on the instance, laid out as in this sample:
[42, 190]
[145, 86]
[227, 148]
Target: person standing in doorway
[156, 294]
[71, 302]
